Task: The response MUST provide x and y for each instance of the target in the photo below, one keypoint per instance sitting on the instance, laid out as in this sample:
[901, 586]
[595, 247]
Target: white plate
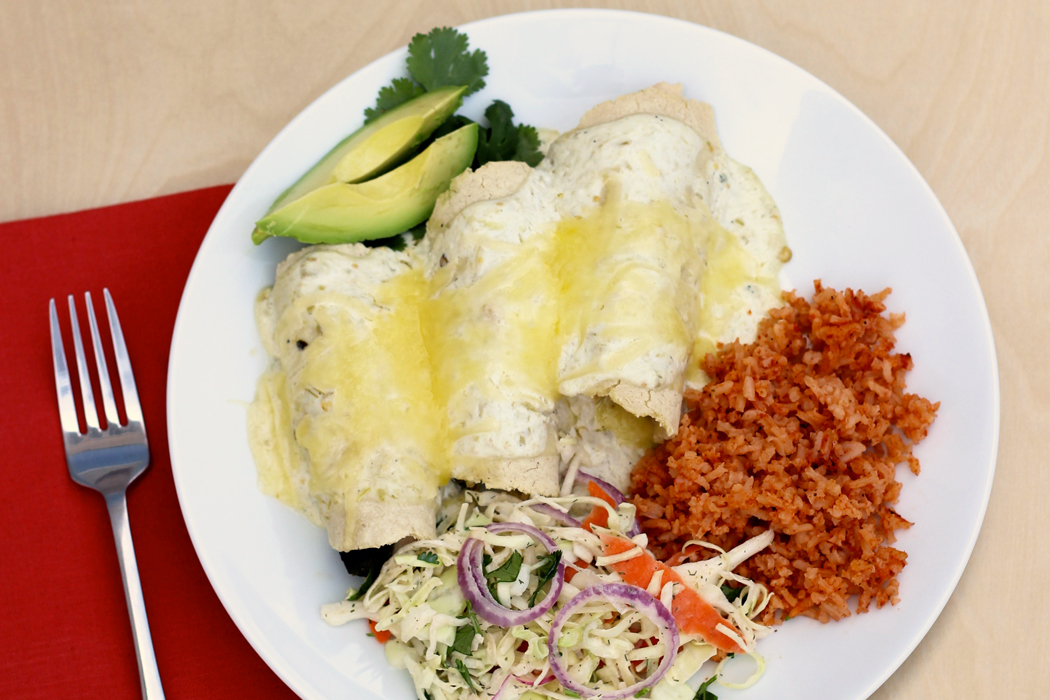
[856, 212]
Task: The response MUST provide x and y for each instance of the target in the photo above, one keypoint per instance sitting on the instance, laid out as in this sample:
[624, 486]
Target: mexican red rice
[800, 431]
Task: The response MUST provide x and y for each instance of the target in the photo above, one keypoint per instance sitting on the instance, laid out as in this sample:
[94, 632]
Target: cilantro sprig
[443, 57]
[439, 58]
[502, 140]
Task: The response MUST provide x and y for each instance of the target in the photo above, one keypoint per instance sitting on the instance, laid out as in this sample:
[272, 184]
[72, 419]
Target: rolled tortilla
[743, 255]
[489, 323]
[629, 261]
[343, 426]
[678, 234]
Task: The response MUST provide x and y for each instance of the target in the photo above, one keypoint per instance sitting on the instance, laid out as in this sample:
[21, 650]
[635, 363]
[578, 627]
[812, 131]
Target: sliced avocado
[378, 144]
[389, 204]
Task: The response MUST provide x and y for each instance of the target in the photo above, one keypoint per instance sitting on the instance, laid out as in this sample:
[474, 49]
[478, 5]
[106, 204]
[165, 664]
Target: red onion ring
[502, 686]
[623, 593]
[585, 478]
[471, 578]
[530, 530]
[532, 682]
[558, 515]
[613, 492]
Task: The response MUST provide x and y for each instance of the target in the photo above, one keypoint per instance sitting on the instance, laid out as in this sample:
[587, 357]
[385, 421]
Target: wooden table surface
[108, 101]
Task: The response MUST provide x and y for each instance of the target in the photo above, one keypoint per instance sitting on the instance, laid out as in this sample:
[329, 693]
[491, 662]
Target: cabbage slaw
[605, 647]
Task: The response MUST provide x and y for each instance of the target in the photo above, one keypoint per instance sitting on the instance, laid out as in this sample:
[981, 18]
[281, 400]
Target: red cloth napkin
[64, 630]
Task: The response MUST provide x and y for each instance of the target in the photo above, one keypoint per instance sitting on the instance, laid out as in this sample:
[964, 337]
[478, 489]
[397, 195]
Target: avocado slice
[378, 144]
[389, 204]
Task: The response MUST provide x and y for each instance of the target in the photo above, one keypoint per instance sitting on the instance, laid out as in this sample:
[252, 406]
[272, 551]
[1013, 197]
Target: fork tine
[67, 407]
[90, 413]
[120, 352]
[108, 402]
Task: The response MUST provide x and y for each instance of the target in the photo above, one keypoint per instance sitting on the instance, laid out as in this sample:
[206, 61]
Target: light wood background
[105, 102]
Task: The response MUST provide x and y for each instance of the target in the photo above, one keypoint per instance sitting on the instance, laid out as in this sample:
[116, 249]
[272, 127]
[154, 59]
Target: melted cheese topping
[370, 384]
[273, 444]
[736, 291]
[344, 424]
[493, 339]
[628, 275]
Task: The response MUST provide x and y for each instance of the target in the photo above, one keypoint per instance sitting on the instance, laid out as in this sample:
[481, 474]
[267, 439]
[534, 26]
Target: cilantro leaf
[464, 640]
[528, 148]
[394, 95]
[499, 140]
[731, 593]
[428, 557]
[373, 574]
[442, 58]
[504, 141]
[465, 634]
[507, 572]
[545, 572]
[702, 693]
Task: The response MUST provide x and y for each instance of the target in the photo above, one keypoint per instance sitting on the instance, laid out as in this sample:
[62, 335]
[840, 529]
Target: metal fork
[109, 459]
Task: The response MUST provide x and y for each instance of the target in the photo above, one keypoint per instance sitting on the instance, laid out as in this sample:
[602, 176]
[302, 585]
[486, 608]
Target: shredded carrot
[598, 516]
[691, 612]
[570, 572]
[687, 553]
[382, 636]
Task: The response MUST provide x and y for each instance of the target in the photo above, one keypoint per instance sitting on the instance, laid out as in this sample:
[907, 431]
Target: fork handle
[149, 675]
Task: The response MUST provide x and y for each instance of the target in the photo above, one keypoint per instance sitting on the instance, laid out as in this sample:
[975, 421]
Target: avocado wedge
[387, 205]
[379, 144]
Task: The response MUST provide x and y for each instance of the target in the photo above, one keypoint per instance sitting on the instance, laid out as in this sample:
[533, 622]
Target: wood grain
[107, 102]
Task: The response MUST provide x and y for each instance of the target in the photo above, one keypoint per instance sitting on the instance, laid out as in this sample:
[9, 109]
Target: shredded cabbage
[451, 654]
